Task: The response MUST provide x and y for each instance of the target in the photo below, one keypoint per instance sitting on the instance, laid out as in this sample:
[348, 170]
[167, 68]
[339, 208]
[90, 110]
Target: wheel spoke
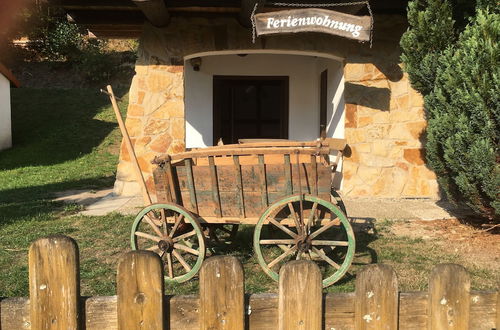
[283, 228]
[283, 256]
[177, 223]
[181, 260]
[153, 248]
[311, 216]
[294, 216]
[164, 222]
[169, 265]
[151, 237]
[323, 256]
[276, 241]
[336, 243]
[322, 229]
[153, 225]
[187, 249]
[152, 217]
[186, 235]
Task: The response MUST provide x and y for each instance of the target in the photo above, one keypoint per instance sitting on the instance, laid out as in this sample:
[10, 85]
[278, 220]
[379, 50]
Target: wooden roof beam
[155, 11]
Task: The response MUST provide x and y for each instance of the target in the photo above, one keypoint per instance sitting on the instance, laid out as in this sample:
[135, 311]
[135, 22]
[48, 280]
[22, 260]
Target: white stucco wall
[303, 72]
[5, 115]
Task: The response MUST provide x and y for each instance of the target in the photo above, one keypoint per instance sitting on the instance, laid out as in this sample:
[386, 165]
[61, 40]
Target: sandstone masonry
[384, 115]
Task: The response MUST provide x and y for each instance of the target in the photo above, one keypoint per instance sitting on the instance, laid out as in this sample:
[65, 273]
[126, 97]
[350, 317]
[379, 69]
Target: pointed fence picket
[55, 301]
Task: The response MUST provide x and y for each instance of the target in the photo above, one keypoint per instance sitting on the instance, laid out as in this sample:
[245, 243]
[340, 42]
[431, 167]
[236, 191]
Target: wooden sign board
[314, 20]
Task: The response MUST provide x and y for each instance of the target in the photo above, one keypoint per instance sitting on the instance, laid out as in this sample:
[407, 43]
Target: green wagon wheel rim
[303, 241]
[338, 201]
[175, 235]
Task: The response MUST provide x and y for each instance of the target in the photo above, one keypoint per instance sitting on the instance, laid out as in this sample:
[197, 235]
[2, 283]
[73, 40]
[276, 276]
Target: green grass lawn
[68, 139]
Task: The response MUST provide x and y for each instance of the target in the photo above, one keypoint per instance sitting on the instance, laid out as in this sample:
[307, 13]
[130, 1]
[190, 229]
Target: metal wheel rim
[334, 209]
[188, 218]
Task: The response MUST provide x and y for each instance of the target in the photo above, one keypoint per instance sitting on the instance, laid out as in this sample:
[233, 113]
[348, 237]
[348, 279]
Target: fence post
[376, 298]
[54, 281]
[449, 301]
[300, 296]
[222, 294]
[140, 291]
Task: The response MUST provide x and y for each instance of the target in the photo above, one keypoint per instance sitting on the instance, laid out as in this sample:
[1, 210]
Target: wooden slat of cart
[288, 175]
[314, 168]
[190, 181]
[215, 187]
[263, 183]
[248, 151]
[239, 184]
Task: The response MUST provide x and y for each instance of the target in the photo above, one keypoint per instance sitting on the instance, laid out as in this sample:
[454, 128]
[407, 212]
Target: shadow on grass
[30, 203]
[51, 126]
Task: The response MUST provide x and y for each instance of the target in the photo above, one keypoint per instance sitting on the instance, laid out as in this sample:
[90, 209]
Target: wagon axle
[303, 242]
[166, 245]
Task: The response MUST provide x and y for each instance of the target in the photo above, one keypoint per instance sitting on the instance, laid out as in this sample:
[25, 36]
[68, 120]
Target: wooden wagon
[282, 187]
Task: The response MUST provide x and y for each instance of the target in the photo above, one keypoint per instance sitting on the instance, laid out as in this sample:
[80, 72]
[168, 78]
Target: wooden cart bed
[236, 183]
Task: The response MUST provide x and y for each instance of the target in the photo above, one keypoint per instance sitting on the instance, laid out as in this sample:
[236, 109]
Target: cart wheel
[171, 231]
[338, 201]
[329, 242]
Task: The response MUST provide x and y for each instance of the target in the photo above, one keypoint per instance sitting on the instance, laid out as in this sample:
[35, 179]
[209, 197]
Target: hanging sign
[314, 20]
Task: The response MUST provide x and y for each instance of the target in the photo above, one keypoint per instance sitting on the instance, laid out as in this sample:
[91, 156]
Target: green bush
[430, 33]
[464, 117]
[457, 71]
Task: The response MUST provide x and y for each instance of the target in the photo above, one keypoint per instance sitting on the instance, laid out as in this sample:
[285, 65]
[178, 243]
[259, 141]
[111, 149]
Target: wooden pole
[140, 291]
[376, 305]
[449, 298]
[54, 280]
[222, 294]
[300, 297]
[130, 148]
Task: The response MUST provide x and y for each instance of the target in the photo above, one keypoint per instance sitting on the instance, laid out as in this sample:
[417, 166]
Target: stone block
[381, 147]
[177, 147]
[369, 175]
[381, 117]
[125, 171]
[135, 110]
[156, 126]
[177, 128]
[400, 132]
[414, 156]
[403, 102]
[144, 161]
[140, 97]
[379, 131]
[349, 169]
[354, 71]
[351, 115]
[398, 88]
[161, 143]
[417, 128]
[390, 183]
[134, 126]
[364, 147]
[416, 99]
[141, 69]
[374, 160]
[157, 82]
[170, 109]
[152, 102]
[355, 136]
[175, 68]
[365, 121]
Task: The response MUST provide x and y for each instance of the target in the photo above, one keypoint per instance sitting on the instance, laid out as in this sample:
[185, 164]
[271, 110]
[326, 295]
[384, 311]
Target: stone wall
[384, 116]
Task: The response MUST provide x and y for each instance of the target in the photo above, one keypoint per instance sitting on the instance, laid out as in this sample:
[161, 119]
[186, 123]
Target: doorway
[246, 107]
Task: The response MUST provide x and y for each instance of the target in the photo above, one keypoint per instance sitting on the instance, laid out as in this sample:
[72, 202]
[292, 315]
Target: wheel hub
[304, 243]
[166, 245]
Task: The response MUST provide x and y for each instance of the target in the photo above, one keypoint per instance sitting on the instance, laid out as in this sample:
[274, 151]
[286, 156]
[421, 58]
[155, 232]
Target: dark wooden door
[250, 107]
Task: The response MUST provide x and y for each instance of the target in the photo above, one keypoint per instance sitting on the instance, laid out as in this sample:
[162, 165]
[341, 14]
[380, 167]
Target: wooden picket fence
[55, 301]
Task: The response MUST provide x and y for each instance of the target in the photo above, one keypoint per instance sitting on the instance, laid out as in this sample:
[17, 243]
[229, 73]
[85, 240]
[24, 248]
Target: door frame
[284, 110]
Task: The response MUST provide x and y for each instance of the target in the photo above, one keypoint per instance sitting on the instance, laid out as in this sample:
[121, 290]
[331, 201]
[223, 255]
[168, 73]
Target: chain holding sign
[313, 20]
